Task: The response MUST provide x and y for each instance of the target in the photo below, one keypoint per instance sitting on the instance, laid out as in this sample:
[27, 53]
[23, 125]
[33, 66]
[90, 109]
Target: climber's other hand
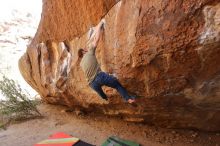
[103, 23]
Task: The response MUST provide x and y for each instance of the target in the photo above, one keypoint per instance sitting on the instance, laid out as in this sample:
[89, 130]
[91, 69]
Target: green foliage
[18, 104]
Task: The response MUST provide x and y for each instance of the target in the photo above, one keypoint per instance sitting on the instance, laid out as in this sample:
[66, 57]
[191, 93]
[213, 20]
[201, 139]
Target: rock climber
[91, 68]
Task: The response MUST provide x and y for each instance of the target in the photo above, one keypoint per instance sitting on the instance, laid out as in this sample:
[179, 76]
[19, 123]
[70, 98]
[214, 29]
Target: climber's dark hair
[80, 52]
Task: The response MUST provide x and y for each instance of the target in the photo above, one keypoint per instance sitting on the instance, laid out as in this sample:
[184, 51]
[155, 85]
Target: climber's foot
[131, 100]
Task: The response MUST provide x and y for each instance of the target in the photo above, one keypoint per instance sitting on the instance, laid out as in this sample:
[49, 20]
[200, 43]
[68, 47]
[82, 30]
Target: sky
[32, 6]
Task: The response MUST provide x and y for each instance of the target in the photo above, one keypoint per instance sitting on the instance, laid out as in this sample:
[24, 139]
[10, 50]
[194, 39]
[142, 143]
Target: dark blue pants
[103, 78]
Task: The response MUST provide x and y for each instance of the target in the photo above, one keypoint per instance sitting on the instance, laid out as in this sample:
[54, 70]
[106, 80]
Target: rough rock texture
[165, 51]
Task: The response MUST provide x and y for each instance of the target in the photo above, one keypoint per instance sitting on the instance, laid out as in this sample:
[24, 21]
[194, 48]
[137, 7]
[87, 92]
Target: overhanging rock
[166, 52]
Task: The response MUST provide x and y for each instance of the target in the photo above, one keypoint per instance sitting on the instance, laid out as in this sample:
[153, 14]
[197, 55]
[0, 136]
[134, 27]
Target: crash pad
[116, 141]
[59, 139]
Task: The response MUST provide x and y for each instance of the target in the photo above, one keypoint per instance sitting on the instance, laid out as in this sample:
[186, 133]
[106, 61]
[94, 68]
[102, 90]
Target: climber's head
[81, 52]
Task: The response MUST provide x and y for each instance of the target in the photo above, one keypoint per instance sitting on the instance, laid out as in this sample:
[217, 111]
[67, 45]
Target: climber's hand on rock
[91, 33]
[103, 23]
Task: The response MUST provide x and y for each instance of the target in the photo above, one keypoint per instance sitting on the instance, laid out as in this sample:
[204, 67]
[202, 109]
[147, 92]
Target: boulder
[167, 53]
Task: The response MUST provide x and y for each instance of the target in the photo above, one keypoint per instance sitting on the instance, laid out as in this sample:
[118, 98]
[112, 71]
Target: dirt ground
[96, 129]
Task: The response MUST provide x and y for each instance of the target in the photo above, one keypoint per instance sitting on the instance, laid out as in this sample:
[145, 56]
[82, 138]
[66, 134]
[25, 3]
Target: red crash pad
[58, 139]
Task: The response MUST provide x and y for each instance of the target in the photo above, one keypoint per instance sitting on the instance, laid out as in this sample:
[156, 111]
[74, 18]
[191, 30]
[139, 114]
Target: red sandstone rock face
[167, 52]
[67, 19]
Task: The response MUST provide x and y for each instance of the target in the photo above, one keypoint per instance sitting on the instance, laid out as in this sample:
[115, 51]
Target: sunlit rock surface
[166, 52]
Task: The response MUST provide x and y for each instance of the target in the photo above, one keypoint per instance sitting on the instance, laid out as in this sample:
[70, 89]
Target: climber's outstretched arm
[99, 31]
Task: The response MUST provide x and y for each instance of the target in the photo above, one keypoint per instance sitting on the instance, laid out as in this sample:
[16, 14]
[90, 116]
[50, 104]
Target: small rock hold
[194, 135]
[153, 134]
[69, 110]
[145, 133]
[79, 112]
[177, 138]
[192, 140]
[63, 111]
[177, 134]
[167, 139]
